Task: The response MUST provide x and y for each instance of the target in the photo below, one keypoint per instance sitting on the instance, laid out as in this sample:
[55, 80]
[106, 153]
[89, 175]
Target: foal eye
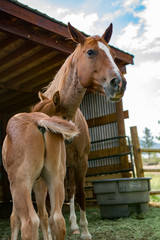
[91, 53]
[64, 117]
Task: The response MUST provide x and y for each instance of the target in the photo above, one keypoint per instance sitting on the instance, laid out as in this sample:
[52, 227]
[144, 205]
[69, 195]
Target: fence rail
[137, 151]
[149, 150]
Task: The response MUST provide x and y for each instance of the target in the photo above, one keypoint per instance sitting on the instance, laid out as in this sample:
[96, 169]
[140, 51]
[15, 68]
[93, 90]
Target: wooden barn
[33, 47]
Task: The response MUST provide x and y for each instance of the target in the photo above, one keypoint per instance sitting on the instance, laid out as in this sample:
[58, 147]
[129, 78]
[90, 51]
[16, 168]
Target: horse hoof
[74, 232]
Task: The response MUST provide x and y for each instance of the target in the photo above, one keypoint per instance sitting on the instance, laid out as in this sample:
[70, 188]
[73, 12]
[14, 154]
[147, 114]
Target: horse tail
[57, 125]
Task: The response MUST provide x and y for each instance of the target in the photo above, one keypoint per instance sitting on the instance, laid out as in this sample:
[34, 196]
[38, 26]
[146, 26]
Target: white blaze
[106, 50]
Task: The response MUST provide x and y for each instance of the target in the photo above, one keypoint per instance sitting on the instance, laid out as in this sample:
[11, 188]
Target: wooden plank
[121, 55]
[136, 152]
[21, 100]
[33, 72]
[17, 55]
[34, 17]
[28, 33]
[104, 169]
[90, 179]
[122, 68]
[105, 119]
[121, 132]
[106, 152]
[151, 170]
[154, 192]
[150, 150]
[31, 61]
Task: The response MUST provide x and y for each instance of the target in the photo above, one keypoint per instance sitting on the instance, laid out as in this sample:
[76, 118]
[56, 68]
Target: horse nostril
[115, 83]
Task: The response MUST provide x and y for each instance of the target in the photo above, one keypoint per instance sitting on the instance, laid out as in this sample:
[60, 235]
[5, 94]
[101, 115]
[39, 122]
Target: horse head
[51, 106]
[96, 68]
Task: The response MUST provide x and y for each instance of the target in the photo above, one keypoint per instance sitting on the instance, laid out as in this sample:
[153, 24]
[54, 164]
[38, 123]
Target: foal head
[50, 106]
[96, 68]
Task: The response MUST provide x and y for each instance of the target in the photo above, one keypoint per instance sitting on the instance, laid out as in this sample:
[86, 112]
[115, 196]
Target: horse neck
[67, 83]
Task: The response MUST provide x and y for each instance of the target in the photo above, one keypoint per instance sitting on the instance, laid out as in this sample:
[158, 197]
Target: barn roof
[33, 46]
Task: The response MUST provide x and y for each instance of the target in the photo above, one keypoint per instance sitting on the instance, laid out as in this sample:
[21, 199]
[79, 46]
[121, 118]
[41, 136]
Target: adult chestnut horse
[91, 66]
[34, 147]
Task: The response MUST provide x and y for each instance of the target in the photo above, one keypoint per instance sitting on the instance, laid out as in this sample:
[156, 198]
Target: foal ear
[75, 34]
[108, 33]
[41, 96]
[56, 98]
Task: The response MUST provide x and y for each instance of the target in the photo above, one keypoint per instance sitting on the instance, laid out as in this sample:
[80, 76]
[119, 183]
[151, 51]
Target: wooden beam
[136, 152]
[149, 150]
[33, 72]
[31, 61]
[25, 31]
[151, 170]
[123, 56]
[154, 192]
[121, 132]
[34, 17]
[15, 88]
[19, 102]
[105, 119]
[37, 82]
[106, 153]
[104, 169]
[41, 20]
[17, 55]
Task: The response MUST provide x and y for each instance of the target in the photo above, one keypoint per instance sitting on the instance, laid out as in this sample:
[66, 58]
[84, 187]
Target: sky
[136, 31]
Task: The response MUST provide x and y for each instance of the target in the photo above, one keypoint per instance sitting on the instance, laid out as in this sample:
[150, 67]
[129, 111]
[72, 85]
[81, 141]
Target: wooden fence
[137, 152]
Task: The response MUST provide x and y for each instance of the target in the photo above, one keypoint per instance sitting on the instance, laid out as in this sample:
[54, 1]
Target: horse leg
[80, 172]
[53, 174]
[40, 191]
[15, 224]
[71, 192]
[56, 220]
[21, 194]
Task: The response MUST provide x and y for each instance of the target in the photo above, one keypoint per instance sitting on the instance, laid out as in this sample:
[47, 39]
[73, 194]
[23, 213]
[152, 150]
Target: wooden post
[137, 152]
[121, 132]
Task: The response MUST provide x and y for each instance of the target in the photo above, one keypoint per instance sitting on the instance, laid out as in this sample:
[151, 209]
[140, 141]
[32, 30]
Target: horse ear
[56, 98]
[75, 34]
[108, 33]
[41, 96]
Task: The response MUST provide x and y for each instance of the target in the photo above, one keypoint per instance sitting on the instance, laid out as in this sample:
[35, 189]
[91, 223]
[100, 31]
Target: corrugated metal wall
[97, 105]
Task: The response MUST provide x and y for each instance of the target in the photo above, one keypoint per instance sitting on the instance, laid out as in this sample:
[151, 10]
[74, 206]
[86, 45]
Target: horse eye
[91, 53]
[64, 117]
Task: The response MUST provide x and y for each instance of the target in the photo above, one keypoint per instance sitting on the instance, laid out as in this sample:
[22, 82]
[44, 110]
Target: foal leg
[15, 224]
[21, 195]
[80, 173]
[40, 191]
[56, 220]
[53, 174]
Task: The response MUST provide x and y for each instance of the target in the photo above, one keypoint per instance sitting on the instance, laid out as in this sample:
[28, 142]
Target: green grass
[155, 185]
[136, 227]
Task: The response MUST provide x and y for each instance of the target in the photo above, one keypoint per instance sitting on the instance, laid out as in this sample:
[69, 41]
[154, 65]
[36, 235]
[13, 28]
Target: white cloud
[82, 21]
[130, 5]
[144, 35]
[142, 97]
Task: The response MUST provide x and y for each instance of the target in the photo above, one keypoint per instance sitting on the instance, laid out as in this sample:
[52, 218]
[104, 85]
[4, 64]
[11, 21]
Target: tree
[147, 140]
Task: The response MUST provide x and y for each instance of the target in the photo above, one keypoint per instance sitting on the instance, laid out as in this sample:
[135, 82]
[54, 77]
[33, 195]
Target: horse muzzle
[116, 88]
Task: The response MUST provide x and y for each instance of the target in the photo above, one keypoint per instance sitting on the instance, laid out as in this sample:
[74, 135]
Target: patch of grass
[155, 185]
[146, 227]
